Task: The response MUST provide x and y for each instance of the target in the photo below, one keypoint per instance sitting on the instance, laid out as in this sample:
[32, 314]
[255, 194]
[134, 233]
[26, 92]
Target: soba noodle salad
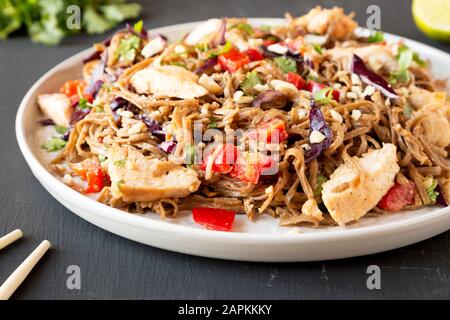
[307, 121]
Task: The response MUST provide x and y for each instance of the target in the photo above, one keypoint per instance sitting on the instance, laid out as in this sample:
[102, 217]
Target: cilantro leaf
[54, 144]
[127, 48]
[286, 64]
[251, 79]
[225, 48]
[244, 27]
[190, 154]
[318, 49]
[375, 37]
[320, 181]
[61, 129]
[405, 57]
[83, 104]
[431, 190]
[120, 163]
[325, 95]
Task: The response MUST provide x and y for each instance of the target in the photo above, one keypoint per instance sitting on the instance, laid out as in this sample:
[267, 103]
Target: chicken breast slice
[57, 107]
[135, 177]
[377, 56]
[327, 21]
[358, 185]
[435, 111]
[170, 81]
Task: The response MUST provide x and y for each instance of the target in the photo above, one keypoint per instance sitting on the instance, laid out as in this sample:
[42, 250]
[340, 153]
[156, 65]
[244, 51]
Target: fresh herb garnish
[244, 27]
[431, 190]
[54, 144]
[375, 37]
[120, 182]
[318, 49]
[225, 48]
[101, 158]
[405, 57]
[251, 79]
[324, 96]
[127, 48]
[61, 129]
[407, 110]
[120, 163]
[190, 154]
[213, 123]
[83, 104]
[320, 181]
[286, 64]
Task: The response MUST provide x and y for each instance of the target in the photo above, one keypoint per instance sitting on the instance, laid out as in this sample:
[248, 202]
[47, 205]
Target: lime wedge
[433, 18]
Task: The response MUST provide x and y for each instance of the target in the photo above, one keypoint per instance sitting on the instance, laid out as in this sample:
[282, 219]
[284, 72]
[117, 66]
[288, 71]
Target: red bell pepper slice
[398, 196]
[254, 55]
[314, 87]
[250, 170]
[92, 172]
[214, 219]
[274, 129]
[296, 80]
[233, 60]
[225, 157]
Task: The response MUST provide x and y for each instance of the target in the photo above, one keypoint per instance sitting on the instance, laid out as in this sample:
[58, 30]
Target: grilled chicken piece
[377, 57]
[57, 107]
[358, 184]
[205, 32]
[436, 113]
[332, 22]
[135, 177]
[169, 81]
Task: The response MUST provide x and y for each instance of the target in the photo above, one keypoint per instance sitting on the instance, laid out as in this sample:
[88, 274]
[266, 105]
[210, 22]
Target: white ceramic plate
[262, 240]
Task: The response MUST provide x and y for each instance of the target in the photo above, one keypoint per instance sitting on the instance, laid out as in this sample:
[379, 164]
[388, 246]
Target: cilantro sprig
[286, 64]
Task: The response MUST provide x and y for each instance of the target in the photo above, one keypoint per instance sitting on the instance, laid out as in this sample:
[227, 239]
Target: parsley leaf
[375, 37]
[54, 144]
[251, 79]
[127, 48]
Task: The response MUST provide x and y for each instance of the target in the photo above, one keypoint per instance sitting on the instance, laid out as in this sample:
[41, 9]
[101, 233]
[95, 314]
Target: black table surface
[117, 268]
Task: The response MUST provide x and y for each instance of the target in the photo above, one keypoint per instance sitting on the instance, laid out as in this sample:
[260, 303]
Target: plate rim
[110, 213]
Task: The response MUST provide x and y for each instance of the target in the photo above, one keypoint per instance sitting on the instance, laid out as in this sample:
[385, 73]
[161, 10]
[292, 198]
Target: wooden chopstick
[10, 238]
[22, 271]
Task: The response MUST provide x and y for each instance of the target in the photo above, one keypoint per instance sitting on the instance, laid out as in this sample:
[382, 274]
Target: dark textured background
[113, 267]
